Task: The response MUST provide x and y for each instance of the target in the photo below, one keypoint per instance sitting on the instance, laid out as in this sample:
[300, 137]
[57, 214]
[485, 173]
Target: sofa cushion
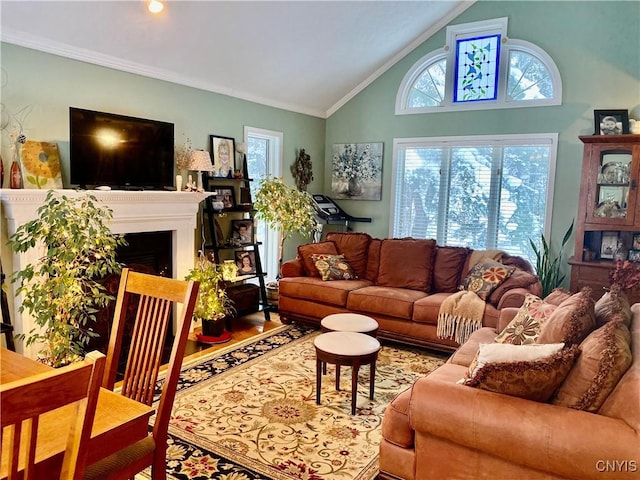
[613, 305]
[306, 251]
[485, 276]
[390, 301]
[426, 309]
[571, 322]
[406, 263]
[468, 351]
[517, 279]
[447, 268]
[354, 247]
[557, 296]
[531, 379]
[317, 290]
[333, 267]
[526, 326]
[605, 356]
[373, 260]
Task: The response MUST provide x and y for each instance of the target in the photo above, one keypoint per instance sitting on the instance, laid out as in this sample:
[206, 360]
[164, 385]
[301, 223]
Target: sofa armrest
[506, 315]
[514, 298]
[570, 443]
[292, 268]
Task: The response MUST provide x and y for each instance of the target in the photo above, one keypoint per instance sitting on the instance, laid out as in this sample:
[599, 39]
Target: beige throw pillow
[526, 325]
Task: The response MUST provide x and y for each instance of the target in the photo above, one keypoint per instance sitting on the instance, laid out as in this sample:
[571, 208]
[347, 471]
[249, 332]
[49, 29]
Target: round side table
[350, 349]
[349, 322]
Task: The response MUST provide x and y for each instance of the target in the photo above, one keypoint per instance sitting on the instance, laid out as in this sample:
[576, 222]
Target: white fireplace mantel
[133, 212]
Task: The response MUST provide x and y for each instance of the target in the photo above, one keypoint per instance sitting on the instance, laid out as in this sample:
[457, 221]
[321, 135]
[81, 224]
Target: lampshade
[200, 160]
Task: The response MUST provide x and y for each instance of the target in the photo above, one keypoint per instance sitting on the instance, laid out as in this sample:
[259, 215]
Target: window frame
[550, 139]
[454, 32]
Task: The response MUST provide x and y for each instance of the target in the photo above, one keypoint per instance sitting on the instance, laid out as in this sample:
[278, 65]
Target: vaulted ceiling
[305, 56]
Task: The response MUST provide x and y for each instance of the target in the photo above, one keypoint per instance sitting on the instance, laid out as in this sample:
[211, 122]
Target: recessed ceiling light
[155, 6]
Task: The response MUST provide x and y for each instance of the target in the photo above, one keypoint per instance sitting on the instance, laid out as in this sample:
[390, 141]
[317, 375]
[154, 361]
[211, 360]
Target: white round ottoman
[350, 349]
[349, 322]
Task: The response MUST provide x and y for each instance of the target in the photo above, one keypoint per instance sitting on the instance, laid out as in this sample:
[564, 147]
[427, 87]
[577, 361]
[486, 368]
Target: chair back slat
[24, 401]
[159, 300]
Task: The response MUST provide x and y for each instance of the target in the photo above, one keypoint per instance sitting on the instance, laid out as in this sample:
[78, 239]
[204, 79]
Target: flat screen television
[120, 152]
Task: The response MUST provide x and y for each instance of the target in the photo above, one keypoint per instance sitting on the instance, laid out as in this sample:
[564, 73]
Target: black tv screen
[119, 151]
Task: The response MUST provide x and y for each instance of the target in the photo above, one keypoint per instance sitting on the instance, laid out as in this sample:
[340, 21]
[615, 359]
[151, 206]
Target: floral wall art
[357, 171]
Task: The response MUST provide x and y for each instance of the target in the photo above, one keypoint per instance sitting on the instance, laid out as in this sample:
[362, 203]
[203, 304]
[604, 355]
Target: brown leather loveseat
[399, 282]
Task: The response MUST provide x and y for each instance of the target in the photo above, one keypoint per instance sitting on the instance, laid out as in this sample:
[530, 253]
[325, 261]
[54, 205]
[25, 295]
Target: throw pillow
[557, 296]
[485, 276]
[406, 263]
[571, 322]
[305, 252]
[526, 325]
[605, 357]
[447, 268]
[333, 267]
[613, 305]
[354, 246]
[518, 279]
[506, 352]
[535, 380]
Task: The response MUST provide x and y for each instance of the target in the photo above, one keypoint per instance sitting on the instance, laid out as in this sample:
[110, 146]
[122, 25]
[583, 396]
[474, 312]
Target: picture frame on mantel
[223, 153]
[611, 122]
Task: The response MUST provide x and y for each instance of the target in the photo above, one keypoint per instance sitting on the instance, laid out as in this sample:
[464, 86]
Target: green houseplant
[548, 264]
[213, 303]
[61, 290]
[284, 208]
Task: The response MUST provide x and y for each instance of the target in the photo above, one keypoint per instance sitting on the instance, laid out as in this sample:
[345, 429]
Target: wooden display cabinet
[608, 210]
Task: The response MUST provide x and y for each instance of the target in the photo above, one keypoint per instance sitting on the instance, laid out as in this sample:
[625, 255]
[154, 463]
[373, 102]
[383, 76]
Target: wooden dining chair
[155, 297]
[24, 401]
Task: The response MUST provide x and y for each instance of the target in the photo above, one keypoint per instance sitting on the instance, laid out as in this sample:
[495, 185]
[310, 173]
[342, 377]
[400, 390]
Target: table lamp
[200, 160]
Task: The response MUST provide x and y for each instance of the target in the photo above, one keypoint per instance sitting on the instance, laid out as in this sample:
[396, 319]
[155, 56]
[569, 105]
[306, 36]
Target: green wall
[595, 46]
[51, 84]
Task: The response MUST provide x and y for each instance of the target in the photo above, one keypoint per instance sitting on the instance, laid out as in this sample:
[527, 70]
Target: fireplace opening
[149, 249]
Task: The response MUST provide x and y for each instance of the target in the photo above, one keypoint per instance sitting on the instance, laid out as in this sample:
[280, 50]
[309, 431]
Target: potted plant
[213, 304]
[287, 209]
[548, 266]
[61, 290]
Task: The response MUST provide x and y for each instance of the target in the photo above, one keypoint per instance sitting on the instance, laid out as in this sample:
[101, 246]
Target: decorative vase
[354, 188]
[15, 174]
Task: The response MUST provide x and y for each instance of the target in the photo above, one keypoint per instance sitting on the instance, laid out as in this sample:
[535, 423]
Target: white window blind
[481, 192]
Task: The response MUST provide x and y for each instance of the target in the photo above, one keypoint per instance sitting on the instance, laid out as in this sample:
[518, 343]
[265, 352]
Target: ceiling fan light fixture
[155, 6]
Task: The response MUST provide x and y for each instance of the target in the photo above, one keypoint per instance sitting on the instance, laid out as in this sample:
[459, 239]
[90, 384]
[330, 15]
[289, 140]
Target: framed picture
[611, 122]
[242, 232]
[634, 255]
[609, 244]
[223, 153]
[357, 171]
[226, 196]
[636, 241]
[246, 262]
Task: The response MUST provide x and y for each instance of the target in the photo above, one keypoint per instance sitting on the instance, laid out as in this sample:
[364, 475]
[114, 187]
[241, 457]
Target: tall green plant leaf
[548, 264]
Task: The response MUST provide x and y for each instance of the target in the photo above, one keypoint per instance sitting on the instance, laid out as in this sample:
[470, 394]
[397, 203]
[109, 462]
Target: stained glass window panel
[476, 74]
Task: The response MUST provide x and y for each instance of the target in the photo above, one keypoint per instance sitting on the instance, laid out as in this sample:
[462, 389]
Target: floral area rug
[249, 412]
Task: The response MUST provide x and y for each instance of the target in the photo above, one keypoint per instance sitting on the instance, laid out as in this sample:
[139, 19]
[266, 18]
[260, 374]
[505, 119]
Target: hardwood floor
[243, 328]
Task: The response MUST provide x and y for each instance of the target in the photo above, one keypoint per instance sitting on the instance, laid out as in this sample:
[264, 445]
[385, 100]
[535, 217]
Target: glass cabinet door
[613, 199]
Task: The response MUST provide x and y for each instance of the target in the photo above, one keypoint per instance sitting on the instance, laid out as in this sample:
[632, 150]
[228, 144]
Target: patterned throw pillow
[535, 380]
[525, 327]
[485, 276]
[333, 267]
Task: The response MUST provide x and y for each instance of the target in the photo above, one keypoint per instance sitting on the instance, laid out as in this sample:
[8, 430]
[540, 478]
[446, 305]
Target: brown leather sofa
[400, 282]
[441, 429]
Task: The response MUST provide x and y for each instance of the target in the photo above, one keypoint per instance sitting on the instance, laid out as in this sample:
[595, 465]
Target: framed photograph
[611, 122]
[245, 262]
[608, 245]
[223, 153]
[634, 255]
[242, 232]
[357, 171]
[636, 241]
[223, 197]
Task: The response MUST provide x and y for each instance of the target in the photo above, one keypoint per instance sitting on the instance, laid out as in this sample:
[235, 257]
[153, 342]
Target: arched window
[480, 68]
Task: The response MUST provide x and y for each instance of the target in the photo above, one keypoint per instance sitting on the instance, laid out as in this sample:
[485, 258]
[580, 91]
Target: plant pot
[272, 293]
[213, 328]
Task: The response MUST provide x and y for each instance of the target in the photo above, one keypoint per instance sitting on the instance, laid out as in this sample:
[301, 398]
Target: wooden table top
[119, 421]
